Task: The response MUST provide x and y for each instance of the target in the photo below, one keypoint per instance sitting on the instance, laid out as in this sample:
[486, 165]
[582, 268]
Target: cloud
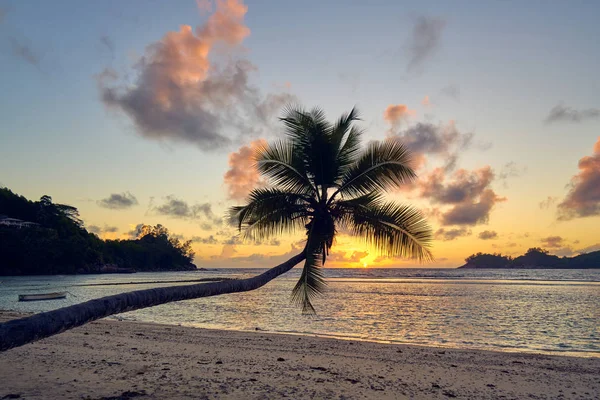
[589, 249]
[342, 256]
[396, 114]
[206, 226]
[135, 231]
[511, 170]
[472, 212]
[356, 256]
[109, 44]
[228, 257]
[177, 208]
[424, 42]
[426, 139]
[94, 229]
[205, 240]
[24, 52]
[426, 102]
[548, 202]
[451, 234]
[583, 199]
[452, 91]
[464, 186]
[242, 175]
[98, 230]
[564, 252]
[488, 235]
[233, 240]
[553, 242]
[467, 192]
[561, 113]
[179, 95]
[237, 240]
[118, 201]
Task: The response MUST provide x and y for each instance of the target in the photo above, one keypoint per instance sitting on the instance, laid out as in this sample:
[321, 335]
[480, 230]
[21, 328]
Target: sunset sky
[149, 111]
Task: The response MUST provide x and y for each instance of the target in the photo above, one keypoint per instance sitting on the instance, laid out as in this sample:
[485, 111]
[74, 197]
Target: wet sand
[123, 360]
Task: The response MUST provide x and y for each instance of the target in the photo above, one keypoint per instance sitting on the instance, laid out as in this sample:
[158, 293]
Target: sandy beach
[120, 360]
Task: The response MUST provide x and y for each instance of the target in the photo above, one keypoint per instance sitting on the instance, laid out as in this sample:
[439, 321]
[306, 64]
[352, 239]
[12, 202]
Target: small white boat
[42, 296]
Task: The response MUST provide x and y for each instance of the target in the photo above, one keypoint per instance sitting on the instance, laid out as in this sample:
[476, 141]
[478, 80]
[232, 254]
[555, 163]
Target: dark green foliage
[538, 257]
[153, 250]
[534, 258]
[483, 260]
[321, 182]
[61, 245]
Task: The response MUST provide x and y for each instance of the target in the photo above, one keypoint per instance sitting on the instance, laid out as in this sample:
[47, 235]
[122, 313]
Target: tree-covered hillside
[58, 243]
[533, 258]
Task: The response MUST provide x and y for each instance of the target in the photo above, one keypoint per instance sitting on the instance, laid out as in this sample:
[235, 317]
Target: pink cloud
[180, 95]
[583, 199]
[396, 114]
[242, 175]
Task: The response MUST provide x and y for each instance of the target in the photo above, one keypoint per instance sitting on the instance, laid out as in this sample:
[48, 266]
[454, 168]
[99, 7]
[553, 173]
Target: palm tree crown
[322, 182]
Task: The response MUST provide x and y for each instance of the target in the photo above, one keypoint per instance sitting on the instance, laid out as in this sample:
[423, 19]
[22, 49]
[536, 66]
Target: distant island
[45, 238]
[534, 258]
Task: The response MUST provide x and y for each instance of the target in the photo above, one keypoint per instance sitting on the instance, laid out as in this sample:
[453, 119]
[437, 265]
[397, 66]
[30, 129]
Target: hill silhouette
[534, 258]
[45, 238]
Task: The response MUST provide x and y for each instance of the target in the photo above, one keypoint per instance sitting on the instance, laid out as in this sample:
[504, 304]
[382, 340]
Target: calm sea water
[541, 311]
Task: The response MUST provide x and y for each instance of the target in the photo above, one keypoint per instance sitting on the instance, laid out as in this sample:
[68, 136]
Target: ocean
[537, 311]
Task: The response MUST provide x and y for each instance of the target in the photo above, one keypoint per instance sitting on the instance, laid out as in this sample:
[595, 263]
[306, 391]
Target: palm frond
[346, 139]
[342, 126]
[349, 152]
[383, 165]
[271, 212]
[311, 136]
[285, 168]
[392, 229]
[312, 282]
[301, 125]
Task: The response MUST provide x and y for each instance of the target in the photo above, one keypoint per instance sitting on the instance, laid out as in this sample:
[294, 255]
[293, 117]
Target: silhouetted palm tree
[321, 183]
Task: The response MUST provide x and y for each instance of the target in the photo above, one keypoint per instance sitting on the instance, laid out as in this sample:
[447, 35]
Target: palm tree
[322, 183]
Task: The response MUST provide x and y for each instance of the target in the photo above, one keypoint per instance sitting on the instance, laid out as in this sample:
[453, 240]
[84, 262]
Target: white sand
[149, 361]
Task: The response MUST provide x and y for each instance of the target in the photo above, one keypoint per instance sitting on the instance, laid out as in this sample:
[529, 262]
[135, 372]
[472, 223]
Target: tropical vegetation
[57, 242]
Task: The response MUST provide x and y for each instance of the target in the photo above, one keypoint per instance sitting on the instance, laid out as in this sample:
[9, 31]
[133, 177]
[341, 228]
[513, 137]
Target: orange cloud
[396, 114]
[583, 199]
[242, 175]
[226, 24]
[553, 241]
[425, 102]
[180, 95]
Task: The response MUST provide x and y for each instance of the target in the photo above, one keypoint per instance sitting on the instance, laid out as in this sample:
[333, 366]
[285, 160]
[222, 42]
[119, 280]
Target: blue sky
[509, 63]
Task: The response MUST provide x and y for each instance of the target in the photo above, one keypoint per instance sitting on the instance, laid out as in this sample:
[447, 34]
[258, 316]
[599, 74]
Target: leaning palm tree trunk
[26, 330]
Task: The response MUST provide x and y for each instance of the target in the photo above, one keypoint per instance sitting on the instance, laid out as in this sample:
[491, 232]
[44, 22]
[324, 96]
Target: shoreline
[109, 358]
[436, 346]
[504, 350]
